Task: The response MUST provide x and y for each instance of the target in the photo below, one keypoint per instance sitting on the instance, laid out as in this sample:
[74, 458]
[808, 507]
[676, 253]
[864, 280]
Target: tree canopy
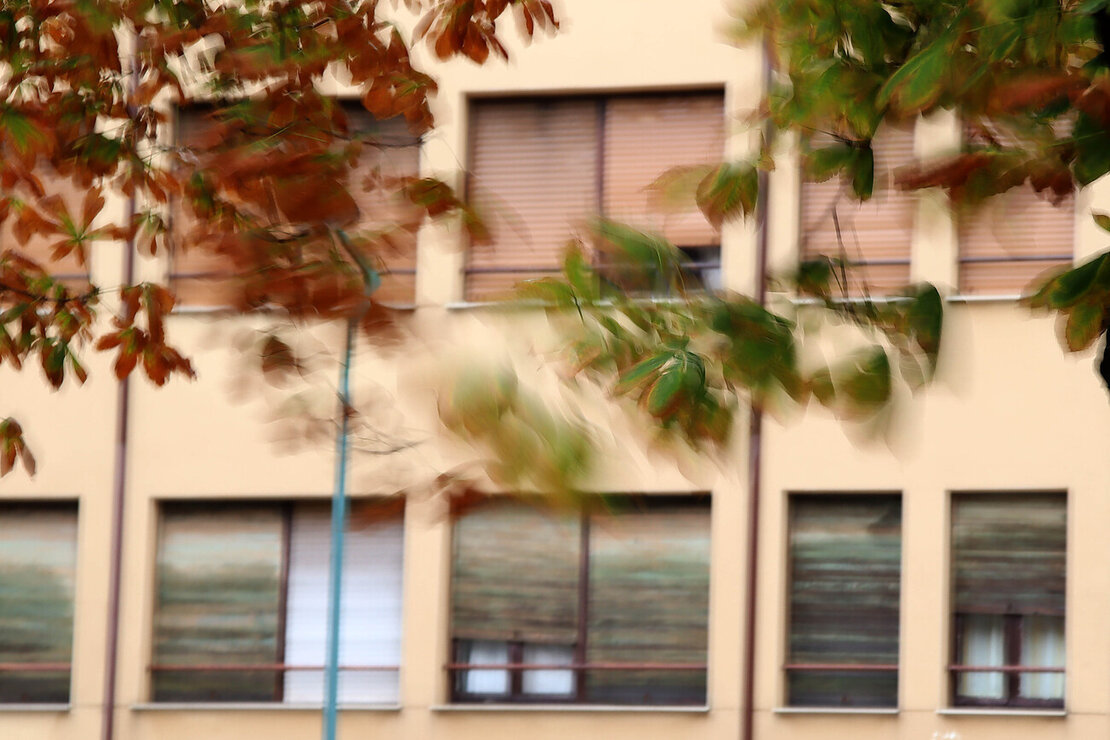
[88, 89]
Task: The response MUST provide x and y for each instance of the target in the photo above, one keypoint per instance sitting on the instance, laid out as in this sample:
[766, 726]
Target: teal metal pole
[338, 526]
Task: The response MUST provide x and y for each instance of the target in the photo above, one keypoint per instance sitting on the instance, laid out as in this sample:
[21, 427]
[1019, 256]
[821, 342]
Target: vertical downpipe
[755, 440]
[338, 525]
[119, 493]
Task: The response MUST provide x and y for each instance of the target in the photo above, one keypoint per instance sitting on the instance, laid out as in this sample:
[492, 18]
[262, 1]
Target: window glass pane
[515, 575]
[982, 644]
[649, 602]
[484, 681]
[548, 683]
[37, 562]
[217, 603]
[1042, 644]
[845, 589]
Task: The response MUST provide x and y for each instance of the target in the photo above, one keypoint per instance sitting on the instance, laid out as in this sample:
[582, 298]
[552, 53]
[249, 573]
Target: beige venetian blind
[1010, 240]
[540, 168]
[201, 278]
[645, 137]
[533, 178]
[877, 233]
[40, 247]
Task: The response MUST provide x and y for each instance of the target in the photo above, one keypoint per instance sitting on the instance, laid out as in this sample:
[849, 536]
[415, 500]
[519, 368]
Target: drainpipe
[338, 526]
[755, 441]
[115, 565]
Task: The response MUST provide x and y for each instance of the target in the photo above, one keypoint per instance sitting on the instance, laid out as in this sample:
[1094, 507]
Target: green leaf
[1074, 285]
[823, 163]
[925, 318]
[1102, 220]
[641, 372]
[665, 394]
[1084, 326]
[919, 82]
[863, 172]
[869, 385]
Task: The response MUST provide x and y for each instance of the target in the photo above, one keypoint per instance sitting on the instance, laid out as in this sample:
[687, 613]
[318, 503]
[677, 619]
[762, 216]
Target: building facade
[894, 571]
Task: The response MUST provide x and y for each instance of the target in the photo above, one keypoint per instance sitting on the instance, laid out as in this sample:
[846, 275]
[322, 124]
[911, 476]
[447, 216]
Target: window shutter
[370, 616]
[515, 575]
[37, 562]
[1008, 241]
[647, 136]
[533, 179]
[877, 233]
[1009, 553]
[649, 602]
[219, 571]
[845, 590]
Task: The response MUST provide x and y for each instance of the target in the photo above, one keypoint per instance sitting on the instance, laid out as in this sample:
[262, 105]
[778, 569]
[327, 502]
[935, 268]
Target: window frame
[692, 269]
[456, 668]
[285, 509]
[1013, 623]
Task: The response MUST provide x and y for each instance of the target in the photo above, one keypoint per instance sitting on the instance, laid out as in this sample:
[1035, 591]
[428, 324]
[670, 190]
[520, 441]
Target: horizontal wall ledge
[1001, 712]
[570, 708]
[255, 707]
[853, 711]
[57, 708]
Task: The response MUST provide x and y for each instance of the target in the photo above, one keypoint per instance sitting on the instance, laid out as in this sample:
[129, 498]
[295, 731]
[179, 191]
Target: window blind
[648, 601]
[370, 608]
[515, 575]
[38, 554]
[201, 277]
[1010, 240]
[1009, 553]
[845, 590]
[540, 168]
[877, 233]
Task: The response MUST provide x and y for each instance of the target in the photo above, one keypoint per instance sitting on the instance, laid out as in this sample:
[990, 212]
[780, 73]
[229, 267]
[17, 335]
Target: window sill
[35, 708]
[1001, 712]
[877, 711]
[572, 708]
[255, 707]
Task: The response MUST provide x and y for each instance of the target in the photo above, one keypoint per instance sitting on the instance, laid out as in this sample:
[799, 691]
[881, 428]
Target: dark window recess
[1009, 579]
[845, 588]
[607, 608]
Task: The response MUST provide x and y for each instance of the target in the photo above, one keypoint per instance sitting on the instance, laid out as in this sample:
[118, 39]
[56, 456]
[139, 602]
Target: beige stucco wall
[1008, 412]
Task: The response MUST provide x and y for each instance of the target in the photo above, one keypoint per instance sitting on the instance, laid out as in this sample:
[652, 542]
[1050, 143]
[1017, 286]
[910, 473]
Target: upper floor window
[241, 604]
[203, 277]
[873, 237]
[611, 608]
[1008, 586]
[539, 168]
[38, 556]
[845, 588]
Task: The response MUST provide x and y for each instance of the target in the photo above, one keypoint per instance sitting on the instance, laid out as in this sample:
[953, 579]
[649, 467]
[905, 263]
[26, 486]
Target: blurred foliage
[687, 359]
[1029, 79]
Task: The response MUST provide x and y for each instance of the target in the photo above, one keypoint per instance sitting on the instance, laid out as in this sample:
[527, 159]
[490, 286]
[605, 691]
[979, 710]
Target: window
[201, 277]
[38, 556]
[241, 611]
[540, 168]
[1010, 240]
[1008, 579]
[844, 592]
[875, 236]
[550, 606]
